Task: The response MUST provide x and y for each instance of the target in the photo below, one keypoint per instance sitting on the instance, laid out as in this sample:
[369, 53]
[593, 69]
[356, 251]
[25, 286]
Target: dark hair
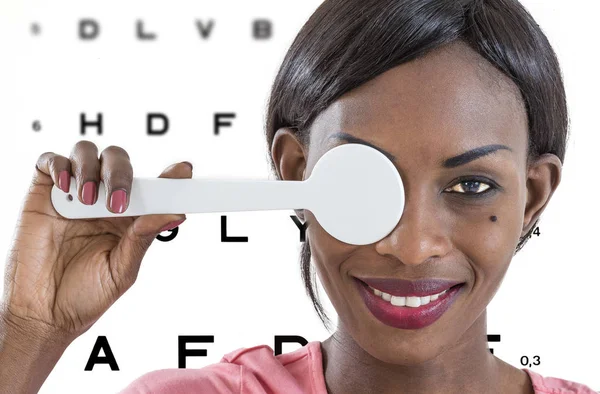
[348, 42]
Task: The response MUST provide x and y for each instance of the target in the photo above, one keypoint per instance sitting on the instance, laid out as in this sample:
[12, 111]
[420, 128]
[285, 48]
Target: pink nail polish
[171, 225]
[88, 193]
[118, 200]
[64, 181]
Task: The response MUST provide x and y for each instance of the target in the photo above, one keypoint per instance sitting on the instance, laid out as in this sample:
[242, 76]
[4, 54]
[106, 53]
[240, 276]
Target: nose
[421, 233]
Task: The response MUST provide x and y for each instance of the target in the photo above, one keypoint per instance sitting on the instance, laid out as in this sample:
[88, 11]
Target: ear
[290, 158]
[543, 177]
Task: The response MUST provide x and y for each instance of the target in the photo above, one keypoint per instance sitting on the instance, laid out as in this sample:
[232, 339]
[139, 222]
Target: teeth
[413, 302]
[398, 301]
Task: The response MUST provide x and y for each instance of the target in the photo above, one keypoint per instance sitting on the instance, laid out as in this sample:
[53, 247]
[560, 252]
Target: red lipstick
[407, 288]
[408, 317]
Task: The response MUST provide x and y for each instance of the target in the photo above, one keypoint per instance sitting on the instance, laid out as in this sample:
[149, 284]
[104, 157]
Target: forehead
[444, 103]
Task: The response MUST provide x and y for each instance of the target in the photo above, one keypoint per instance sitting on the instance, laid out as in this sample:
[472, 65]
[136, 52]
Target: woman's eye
[470, 187]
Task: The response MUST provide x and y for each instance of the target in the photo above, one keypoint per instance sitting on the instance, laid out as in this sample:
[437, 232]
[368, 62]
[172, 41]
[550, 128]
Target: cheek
[488, 235]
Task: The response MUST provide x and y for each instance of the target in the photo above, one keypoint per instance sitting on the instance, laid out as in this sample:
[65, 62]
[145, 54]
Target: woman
[465, 96]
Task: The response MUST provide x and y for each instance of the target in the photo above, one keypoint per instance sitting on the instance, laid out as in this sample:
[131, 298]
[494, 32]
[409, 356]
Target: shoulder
[553, 385]
[219, 377]
[246, 370]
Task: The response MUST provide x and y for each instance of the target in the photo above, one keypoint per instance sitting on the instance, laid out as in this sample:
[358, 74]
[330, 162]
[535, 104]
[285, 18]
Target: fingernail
[118, 198]
[89, 192]
[189, 164]
[64, 181]
[171, 225]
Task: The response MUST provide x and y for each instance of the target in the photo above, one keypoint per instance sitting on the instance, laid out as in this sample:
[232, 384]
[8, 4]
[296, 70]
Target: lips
[407, 288]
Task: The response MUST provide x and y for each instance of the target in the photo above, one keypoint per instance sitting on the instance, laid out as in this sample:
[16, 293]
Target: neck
[465, 367]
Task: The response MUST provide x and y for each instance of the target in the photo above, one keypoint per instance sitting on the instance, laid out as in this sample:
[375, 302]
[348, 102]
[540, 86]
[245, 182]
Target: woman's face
[424, 112]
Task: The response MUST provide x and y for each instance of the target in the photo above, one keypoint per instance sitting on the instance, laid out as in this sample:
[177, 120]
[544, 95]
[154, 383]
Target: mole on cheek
[493, 218]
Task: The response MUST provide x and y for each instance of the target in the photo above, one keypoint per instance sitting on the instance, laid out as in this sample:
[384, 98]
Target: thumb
[140, 234]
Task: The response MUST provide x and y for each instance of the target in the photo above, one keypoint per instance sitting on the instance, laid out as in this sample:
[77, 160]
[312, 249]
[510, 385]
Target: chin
[402, 352]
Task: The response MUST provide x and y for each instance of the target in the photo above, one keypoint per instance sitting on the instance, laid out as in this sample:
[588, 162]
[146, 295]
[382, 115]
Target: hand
[63, 274]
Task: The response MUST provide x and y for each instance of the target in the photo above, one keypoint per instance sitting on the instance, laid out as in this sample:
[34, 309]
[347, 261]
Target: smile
[409, 312]
[413, 302]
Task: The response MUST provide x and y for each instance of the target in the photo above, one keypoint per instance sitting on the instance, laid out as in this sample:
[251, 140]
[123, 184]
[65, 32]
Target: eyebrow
[451, 162]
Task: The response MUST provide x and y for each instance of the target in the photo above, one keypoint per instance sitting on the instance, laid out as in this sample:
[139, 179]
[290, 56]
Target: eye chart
[190, 81]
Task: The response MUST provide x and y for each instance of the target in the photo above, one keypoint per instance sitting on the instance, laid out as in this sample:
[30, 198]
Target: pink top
[256, 370]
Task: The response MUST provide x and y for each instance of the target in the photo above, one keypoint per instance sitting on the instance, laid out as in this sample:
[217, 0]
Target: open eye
[472, 186]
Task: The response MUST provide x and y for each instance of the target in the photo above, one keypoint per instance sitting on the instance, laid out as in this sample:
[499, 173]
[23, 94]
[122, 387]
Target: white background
[245, 293]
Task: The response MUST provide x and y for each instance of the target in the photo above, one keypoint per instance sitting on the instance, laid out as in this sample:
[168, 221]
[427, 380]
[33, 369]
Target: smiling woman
[464, 96]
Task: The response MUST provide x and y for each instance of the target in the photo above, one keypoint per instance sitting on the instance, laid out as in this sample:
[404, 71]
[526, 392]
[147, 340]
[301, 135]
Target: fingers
[86, 170]
[149, 225]
[53, 169]
[117, 174]
[141, 233]
[113, 168]
[178, 170]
